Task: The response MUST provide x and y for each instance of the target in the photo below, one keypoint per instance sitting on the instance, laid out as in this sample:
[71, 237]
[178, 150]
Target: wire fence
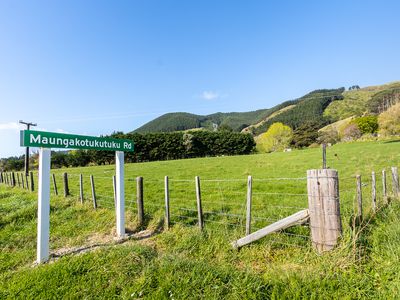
[224, 201]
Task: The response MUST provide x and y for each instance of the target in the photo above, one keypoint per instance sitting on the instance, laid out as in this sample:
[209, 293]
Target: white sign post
[120, 193]
[48, 140]
[43, 206]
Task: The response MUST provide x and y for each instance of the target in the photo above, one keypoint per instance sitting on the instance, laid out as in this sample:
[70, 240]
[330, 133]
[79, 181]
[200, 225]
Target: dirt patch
[99, 241]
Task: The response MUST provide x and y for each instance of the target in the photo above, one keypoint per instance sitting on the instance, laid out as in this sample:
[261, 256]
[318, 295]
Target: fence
[241, 205]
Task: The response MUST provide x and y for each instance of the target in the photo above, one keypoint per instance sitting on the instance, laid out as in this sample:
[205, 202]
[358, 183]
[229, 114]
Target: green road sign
[31, 138]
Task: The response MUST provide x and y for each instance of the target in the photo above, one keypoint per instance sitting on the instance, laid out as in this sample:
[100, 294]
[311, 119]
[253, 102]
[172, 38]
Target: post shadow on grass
[143, 222]
[159, 228]
[392, 141]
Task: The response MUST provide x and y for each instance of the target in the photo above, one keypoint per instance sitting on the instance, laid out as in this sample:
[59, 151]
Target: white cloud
[59, 130]
[210, 95]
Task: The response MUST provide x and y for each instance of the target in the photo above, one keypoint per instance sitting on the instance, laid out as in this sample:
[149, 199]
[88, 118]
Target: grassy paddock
[182, 263]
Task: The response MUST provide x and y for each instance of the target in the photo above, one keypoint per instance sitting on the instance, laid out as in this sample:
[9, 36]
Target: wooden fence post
[373, 186]
[18, 180]
[384, 186]
[248, 204]
[1, 177]
[359, 198]
[324, 208]
[199, 206]
[395, 180]
[81, 187]
[323, 156]
[65, 181]
[93, 192]
[55, 185]
[13, 182]
[27, 181]
[167, 213]
[139, 195]
[32, 181]
[22, 180]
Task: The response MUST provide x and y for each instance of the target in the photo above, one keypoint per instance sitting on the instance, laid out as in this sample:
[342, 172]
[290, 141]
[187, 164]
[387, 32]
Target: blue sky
[92, 67]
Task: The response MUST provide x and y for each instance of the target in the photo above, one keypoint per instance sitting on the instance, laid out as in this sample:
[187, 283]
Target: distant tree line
[150, 147]
[354, 87]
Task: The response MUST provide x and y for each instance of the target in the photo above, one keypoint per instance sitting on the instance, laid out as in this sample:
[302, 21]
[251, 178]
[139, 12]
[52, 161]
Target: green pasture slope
[183, 263]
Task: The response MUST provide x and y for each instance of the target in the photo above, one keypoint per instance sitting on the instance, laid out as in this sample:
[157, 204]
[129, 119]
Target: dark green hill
[183, 121]
[307, 108]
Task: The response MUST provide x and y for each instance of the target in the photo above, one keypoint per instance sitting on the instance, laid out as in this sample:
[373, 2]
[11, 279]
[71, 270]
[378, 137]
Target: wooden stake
[167, 213]
[27, 181]
[324, 156]
[395, 181]
[13, 181]
[248, 204]
[199, 207]
[384, 186]
[55, 185]
[324, 208]
[32, 181]
[139, 195]
[297, 218]
[373, 183]
[23, 181]
[81, 187]
[93, 192]
[19, 182]
[359, 198]
[65, 181]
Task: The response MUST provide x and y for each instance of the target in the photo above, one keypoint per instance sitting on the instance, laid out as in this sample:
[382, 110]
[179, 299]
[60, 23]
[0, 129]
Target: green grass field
[182, 262]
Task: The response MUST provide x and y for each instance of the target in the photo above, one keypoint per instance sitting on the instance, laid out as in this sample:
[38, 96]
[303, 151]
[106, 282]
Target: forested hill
[183, 121]
[293, 112]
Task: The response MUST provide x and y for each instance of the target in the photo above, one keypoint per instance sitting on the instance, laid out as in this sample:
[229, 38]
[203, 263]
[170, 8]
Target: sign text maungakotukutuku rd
[43, 139]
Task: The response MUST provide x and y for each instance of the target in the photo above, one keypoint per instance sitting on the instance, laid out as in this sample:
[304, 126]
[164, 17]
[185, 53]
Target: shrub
[389, 121]
[277, 138]
[367, 124]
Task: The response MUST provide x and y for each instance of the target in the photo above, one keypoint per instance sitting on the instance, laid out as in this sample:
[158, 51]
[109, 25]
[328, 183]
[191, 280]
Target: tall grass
[183, 263]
